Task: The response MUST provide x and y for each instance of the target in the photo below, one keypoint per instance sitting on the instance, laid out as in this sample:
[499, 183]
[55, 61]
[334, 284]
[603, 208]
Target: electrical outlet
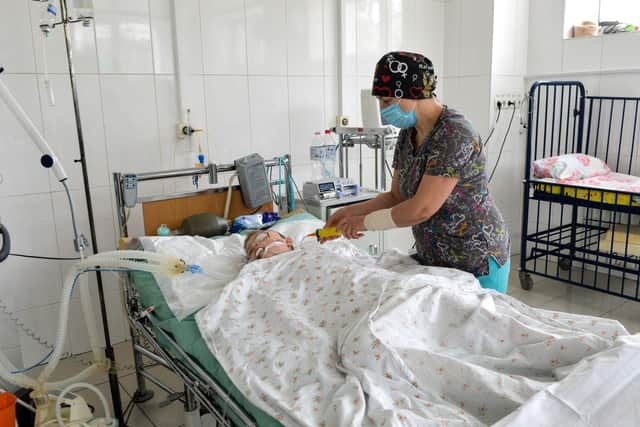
[507, 101]
[342, 121]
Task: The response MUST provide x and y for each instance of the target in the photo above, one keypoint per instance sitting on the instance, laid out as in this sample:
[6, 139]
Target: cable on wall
[504, 141]
[495, 124]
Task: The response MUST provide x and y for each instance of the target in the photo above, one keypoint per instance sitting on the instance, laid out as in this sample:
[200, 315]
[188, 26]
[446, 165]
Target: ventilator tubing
[115, 260]
[6, 367]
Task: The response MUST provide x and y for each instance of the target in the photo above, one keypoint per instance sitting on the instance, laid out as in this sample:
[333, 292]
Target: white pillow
[298, 230]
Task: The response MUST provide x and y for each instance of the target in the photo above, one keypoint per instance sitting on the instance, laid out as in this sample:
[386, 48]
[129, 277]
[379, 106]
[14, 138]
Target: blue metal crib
[580, 235]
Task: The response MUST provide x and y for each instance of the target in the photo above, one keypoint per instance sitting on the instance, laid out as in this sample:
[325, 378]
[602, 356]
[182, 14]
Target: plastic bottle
[329, 155]
[316, 154]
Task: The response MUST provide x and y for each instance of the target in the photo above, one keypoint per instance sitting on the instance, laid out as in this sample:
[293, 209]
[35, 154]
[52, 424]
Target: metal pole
[383, 161]
[360, 165]
[341, 46]
[346, 162]
[289, 190]
[341, 154]
[120, 209]
[113, 377]
[375, 156]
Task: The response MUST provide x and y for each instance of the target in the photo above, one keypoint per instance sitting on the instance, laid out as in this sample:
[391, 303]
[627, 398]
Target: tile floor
[555, 295]
[546, 293]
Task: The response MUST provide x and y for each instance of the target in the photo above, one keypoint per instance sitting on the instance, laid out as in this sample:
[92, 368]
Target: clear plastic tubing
[115, 260]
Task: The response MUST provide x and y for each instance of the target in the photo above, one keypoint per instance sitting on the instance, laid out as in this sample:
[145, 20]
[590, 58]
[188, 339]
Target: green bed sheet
[187, 335]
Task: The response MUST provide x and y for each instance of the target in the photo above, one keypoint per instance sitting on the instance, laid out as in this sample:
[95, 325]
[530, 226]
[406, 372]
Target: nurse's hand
[335, 220]
[337, 217]
[352, 227]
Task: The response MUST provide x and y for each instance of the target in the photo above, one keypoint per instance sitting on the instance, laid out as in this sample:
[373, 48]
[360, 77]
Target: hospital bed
[181, 346]
[159, 337]
[178, 346]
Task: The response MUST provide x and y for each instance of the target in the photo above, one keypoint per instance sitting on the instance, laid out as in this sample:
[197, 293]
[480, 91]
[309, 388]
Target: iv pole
[109, 353]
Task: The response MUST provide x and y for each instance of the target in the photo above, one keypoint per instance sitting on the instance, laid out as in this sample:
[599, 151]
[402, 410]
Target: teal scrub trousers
[498, 277]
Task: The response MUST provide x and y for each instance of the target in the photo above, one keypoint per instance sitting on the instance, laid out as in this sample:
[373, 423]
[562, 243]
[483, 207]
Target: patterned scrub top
[468, 228]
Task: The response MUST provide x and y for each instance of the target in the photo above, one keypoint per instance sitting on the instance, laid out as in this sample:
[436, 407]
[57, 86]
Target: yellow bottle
[323, 233]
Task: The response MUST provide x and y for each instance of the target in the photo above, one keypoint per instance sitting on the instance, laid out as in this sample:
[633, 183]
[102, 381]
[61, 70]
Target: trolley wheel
[565, 264]
[526, 282]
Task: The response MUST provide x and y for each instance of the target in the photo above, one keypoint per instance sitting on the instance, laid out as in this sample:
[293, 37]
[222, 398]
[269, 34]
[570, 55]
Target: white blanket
[325, 337]
[602, 390]
[220, 259]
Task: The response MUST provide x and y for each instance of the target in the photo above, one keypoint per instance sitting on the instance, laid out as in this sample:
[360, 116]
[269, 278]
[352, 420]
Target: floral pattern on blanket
[325, 337]
[613, 181]
[570, 166]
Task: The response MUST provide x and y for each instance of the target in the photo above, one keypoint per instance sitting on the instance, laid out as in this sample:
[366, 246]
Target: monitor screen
[326, 186]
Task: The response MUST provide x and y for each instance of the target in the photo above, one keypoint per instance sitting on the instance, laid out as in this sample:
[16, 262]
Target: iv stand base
[141, 397]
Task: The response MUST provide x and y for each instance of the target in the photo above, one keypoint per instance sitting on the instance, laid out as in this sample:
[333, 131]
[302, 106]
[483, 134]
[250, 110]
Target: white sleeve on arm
[379, 220]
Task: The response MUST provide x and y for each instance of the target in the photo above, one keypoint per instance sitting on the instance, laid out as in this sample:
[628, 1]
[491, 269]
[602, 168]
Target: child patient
[266, 243]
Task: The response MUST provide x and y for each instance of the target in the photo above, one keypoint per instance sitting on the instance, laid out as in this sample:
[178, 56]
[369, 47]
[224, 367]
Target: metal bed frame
[559, 229]
[200, 391]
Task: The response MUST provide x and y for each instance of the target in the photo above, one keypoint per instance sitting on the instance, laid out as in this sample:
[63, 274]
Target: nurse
[439, 185]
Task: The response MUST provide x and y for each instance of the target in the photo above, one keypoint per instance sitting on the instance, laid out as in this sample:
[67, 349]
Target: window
[585, 18]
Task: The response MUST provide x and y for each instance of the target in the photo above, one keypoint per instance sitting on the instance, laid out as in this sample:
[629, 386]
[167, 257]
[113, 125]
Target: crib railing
[571, 238]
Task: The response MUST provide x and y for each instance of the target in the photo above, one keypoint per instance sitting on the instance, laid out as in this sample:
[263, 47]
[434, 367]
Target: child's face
[265, 244]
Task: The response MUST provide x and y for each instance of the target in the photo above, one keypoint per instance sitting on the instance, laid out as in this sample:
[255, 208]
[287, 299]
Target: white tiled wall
[582, 54]
[123, 34]
[545, 46]
[15, 26]
[467, 59]
[374, 27]
[485, 55]
[257, 75]
[509, 68]
[228, 118]
[510, 37]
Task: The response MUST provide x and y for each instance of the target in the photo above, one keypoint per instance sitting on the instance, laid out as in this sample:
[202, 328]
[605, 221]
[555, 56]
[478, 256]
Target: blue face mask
[396, 116]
